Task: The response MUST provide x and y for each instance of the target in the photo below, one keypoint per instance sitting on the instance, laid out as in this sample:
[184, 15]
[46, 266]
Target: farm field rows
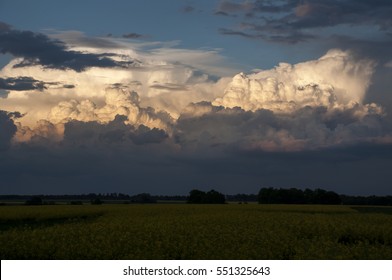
[183, 231]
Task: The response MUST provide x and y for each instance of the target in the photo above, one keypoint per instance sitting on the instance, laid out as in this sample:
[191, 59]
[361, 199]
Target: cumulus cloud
[165, 77]
[335, 80]
[306, 106]
[85, 131]
[165, 87]
[169, 96]
[117, 102]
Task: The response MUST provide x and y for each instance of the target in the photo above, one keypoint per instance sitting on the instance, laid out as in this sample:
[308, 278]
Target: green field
[182, 231]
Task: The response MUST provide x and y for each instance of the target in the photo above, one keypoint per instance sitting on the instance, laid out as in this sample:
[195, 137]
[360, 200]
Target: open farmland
[183, 231]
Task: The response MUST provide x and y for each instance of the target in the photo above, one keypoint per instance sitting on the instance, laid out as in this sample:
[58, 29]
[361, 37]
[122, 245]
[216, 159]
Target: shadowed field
[182, 231]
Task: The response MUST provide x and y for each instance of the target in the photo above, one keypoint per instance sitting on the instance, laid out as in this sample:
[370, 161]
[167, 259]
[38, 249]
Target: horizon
[186, 194]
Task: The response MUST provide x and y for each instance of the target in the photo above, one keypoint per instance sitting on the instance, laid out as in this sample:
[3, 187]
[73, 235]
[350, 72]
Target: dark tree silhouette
[143, 198]
[35, 200]
[196, 196]
[96, 201]
[210, 197]
[297, 196]
[214, 197]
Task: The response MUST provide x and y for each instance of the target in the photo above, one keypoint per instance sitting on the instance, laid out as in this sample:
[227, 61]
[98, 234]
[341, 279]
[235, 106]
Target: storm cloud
[306, 106]
[85, 120]
[21, 83]
[39, 49]
[297, 21]
[7, 129]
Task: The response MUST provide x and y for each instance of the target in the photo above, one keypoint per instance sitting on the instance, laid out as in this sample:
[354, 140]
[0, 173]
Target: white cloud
[336, 79]
[117, 102]
[164, 76]
[169, 91]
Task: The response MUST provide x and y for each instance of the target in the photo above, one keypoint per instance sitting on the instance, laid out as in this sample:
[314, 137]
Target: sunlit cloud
[190, 98]
[334, 80]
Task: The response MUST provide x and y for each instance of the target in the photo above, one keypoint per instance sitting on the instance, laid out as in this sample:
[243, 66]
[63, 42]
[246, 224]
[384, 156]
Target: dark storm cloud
[207, 150]
[92, 157]
[39, 49]
[7, 129]
[115, 132]
[21, 83]
[144, 135]
[82, 169]
[281, 21]
[305, 129]
[223, 141]
[359, 169]
[378, 50]
[96, 134]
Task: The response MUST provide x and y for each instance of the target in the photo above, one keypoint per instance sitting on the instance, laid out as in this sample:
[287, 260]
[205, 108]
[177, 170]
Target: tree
[326, 197]
[96, 201]
[297, 196]
[196, 196]
[35, 200]
[267, 195]
[210, 197]
[143, 198]
[214, 197]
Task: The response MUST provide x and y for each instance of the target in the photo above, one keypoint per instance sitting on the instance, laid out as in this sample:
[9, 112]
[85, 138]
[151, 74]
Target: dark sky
[167, 96]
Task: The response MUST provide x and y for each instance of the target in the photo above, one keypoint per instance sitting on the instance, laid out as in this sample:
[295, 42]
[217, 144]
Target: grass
[181, 231]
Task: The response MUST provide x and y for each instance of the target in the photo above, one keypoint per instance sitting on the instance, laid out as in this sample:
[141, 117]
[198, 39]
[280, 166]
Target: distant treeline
[317, 196]
[367, 200]
[92, 196]
[297, 196]
[265, 196]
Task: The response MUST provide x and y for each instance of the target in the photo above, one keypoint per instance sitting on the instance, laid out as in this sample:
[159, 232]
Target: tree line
[297, 196]
[266, 195]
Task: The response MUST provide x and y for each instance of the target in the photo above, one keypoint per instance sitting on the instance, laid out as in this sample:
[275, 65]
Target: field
[181, 231]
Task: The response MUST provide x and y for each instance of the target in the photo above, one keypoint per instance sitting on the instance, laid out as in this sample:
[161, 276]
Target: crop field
[182, 231]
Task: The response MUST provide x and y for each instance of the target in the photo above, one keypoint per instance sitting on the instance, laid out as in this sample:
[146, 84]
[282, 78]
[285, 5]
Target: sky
[168, 96]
